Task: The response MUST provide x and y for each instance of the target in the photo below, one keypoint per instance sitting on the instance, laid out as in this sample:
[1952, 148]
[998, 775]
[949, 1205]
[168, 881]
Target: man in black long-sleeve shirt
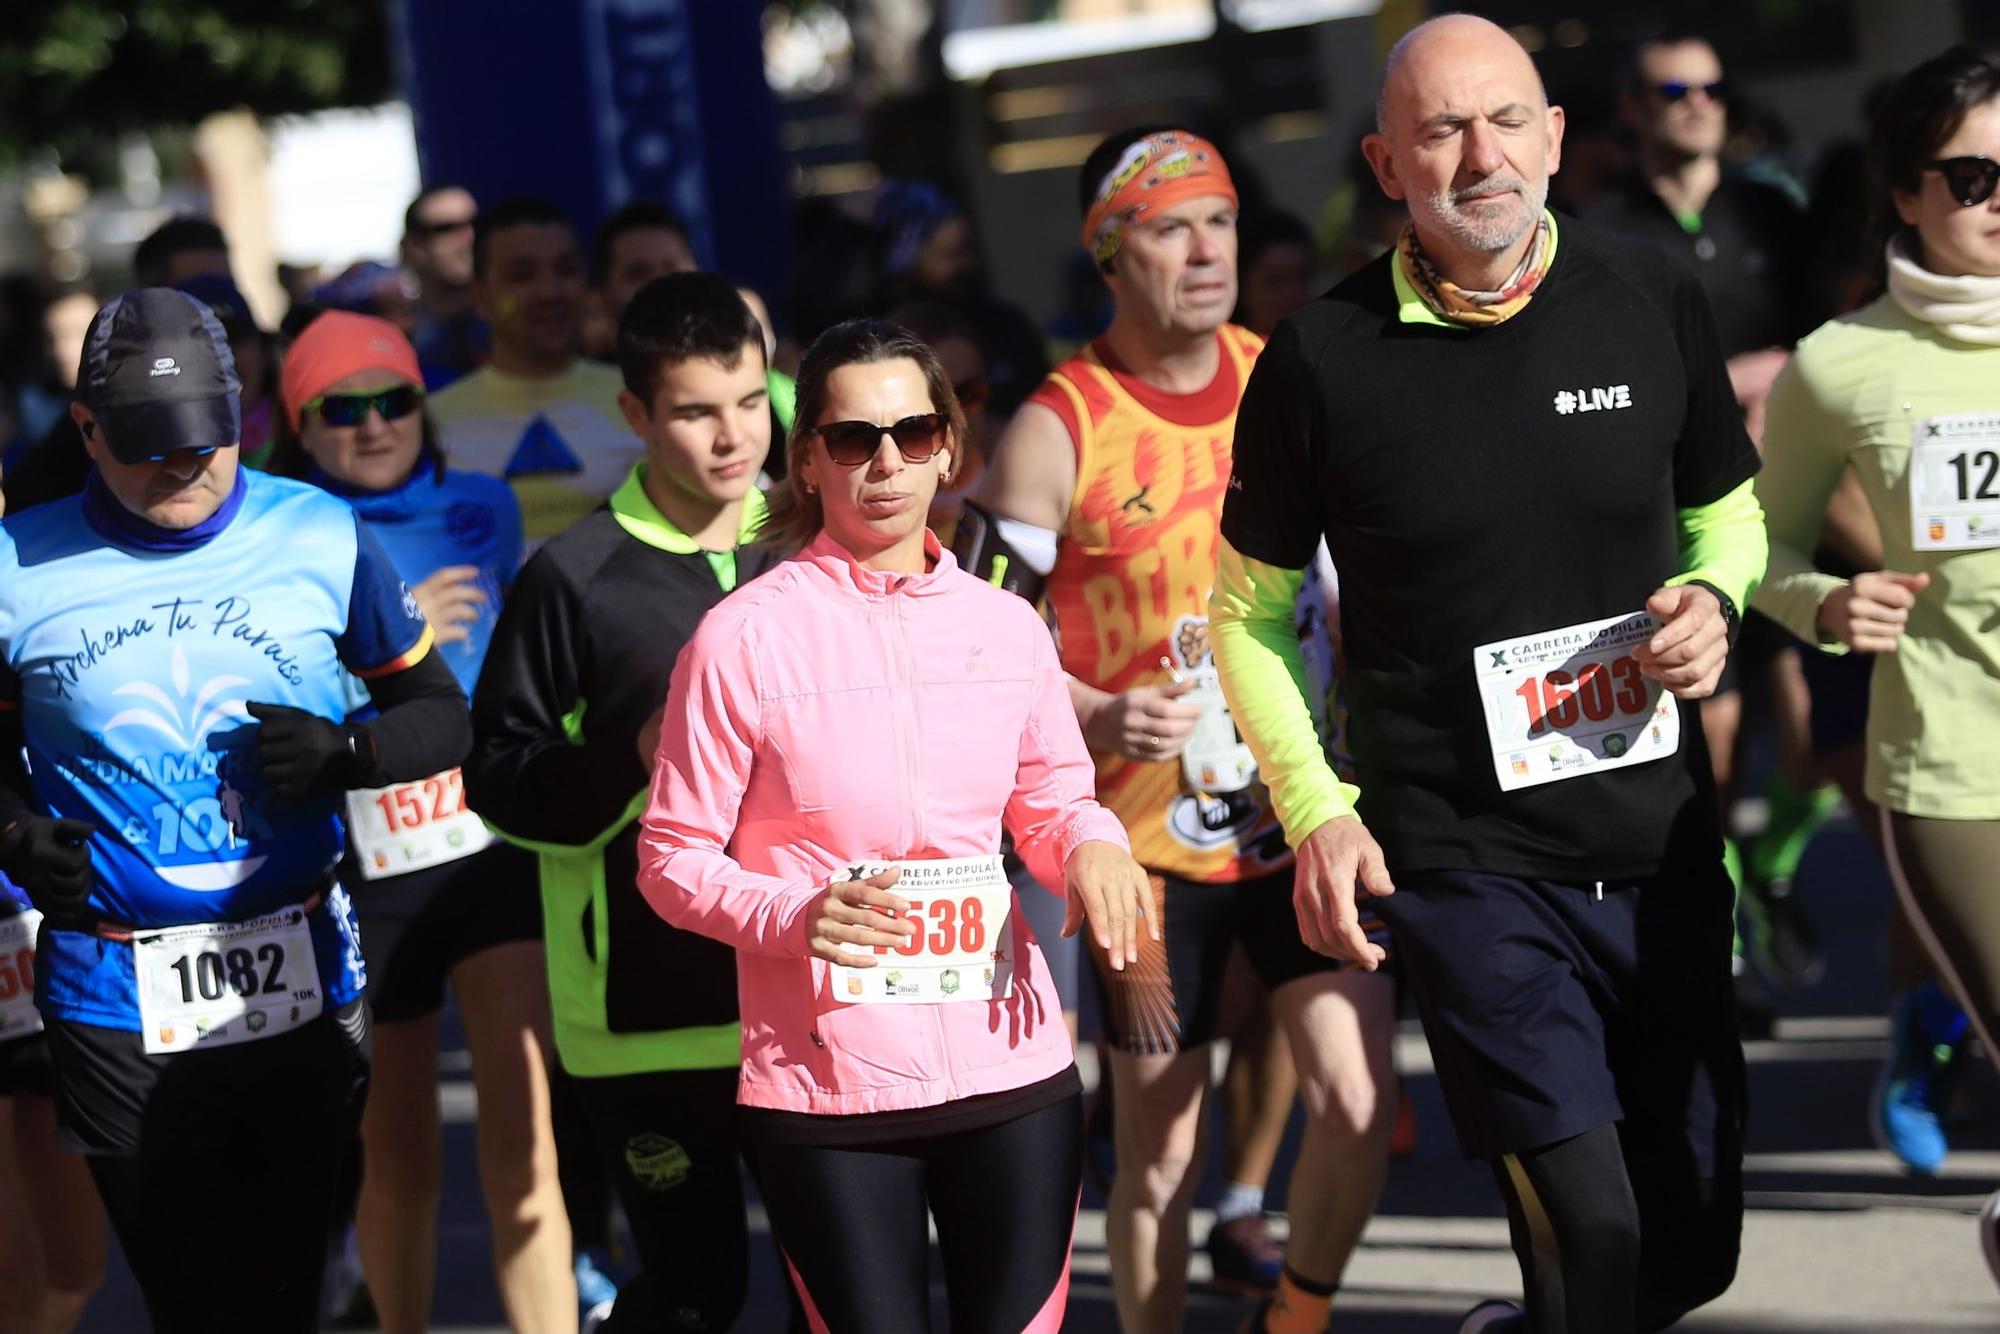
[566, 717]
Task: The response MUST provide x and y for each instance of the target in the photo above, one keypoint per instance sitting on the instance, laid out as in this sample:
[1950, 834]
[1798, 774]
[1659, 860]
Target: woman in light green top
[1906, 391]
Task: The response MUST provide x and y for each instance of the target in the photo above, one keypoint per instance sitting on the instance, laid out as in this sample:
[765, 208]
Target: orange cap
[1156, 171]
[336, 345]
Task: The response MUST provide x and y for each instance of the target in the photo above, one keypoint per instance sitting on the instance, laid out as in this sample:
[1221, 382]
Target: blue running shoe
[595, 1286]
[1493, 1317]
[1909, 1093]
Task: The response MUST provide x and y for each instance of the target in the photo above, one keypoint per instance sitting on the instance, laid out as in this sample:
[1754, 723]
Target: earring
[811, 489]
[944, 477]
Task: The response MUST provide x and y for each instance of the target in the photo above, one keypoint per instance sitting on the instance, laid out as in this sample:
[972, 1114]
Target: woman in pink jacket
[843, 741]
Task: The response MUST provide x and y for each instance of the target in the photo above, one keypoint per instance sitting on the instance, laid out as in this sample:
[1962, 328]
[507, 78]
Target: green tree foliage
[75, 71]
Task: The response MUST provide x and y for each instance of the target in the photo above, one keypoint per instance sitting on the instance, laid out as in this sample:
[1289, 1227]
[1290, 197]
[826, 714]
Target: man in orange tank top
[1106, 495]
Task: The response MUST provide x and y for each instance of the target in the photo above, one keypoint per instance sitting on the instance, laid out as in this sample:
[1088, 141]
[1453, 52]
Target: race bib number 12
[1955, 483]
[1572, 701]
[963, 948]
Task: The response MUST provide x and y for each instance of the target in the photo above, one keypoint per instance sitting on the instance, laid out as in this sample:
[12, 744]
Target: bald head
[1448, 46]
[1467, 139]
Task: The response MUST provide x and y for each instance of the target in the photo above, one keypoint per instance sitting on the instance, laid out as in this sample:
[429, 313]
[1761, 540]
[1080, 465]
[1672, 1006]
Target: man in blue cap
[177, 645]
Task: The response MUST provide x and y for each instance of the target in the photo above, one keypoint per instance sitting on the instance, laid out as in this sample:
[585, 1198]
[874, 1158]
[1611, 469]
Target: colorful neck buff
[1462, 305]
[1156, 172]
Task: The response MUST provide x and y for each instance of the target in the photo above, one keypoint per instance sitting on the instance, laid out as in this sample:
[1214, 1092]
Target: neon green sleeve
[1255, 640]
[1723, 543]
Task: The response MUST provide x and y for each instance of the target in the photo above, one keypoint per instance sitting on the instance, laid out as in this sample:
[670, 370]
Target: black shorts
[1171, 999]
[24, 1066]
[1759, 641]
[418, 926]
[1839, 685]
[1553, 1008]
[219, 1167]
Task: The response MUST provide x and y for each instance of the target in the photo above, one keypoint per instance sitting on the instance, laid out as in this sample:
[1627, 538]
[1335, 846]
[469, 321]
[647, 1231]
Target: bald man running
[1517, 437]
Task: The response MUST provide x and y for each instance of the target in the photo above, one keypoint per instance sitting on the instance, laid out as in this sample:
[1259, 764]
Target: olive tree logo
[209, 831]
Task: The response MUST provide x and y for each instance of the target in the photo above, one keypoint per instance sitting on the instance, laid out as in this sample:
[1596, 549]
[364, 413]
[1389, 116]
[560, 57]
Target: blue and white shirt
[131, 652]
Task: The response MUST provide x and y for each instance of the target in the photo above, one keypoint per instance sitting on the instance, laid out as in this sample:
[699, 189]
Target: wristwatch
[1732, 621]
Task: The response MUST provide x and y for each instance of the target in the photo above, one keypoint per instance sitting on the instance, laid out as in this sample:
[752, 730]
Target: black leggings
[669, 1140]
[1595, 1219]
[852, 1224]
[219, 1167]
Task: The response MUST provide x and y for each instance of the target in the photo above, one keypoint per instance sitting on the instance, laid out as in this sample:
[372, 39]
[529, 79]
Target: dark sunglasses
[851, 444]
[426, 230]
[1970, 179]
[352, 409]
[1673, 90]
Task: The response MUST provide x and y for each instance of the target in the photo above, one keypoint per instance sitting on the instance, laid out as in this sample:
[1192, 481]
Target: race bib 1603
[1569, 702]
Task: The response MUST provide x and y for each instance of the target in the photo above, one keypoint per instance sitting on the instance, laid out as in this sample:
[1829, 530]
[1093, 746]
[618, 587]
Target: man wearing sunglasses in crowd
[1745, 241]
[451, 339]
[1743, 238]
[567, 718]
[1106, 493]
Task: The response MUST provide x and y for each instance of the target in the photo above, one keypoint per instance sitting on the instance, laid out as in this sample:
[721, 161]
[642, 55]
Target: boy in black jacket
[566, 717]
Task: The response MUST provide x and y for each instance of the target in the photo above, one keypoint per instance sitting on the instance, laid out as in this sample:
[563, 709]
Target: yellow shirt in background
[560, 442]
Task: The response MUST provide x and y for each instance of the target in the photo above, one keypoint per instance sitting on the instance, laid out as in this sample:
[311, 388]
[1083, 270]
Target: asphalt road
[1837, 1238]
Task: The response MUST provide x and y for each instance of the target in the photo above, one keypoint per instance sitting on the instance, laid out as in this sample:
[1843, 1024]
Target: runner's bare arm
[1032, 477]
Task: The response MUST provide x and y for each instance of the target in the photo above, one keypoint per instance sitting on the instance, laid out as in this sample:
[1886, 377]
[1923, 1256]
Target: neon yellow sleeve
[1252, 631]
[1723, 543]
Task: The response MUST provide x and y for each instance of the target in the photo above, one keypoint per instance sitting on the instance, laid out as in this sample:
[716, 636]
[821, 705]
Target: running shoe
[347, 1301]
[594, 1318]
[595, 1287]
[1244, 1256]
[1912, 1090]
[1494, 1317]
[1989, 1233]
[1781, 937]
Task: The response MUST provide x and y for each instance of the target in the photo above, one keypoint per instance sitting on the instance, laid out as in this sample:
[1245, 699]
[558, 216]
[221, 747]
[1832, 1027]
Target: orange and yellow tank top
[1131, 584]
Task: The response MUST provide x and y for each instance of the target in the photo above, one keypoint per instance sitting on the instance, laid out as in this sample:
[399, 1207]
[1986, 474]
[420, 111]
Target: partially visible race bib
[1215, 759]
[217, 983]
[963, 949]
[1955, 482]
[18, 1016]
[1572, 701]
[411, 825]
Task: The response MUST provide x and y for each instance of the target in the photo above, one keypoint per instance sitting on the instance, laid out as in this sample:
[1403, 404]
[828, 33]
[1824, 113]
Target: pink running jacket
[826, 714]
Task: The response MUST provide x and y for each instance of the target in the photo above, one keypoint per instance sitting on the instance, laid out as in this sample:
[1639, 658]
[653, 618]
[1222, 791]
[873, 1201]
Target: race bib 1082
[963, 948]
[1573, 701]
[217, 983]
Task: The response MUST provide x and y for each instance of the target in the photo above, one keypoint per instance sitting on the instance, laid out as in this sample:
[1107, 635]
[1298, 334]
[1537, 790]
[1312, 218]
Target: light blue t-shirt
[131, 652]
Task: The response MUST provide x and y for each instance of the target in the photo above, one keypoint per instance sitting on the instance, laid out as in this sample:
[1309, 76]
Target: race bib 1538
[1568, 702]
[963, 948]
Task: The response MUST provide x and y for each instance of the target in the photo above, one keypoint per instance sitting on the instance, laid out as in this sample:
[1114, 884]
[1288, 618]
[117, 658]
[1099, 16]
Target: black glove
[50, 859]
[303, 753]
